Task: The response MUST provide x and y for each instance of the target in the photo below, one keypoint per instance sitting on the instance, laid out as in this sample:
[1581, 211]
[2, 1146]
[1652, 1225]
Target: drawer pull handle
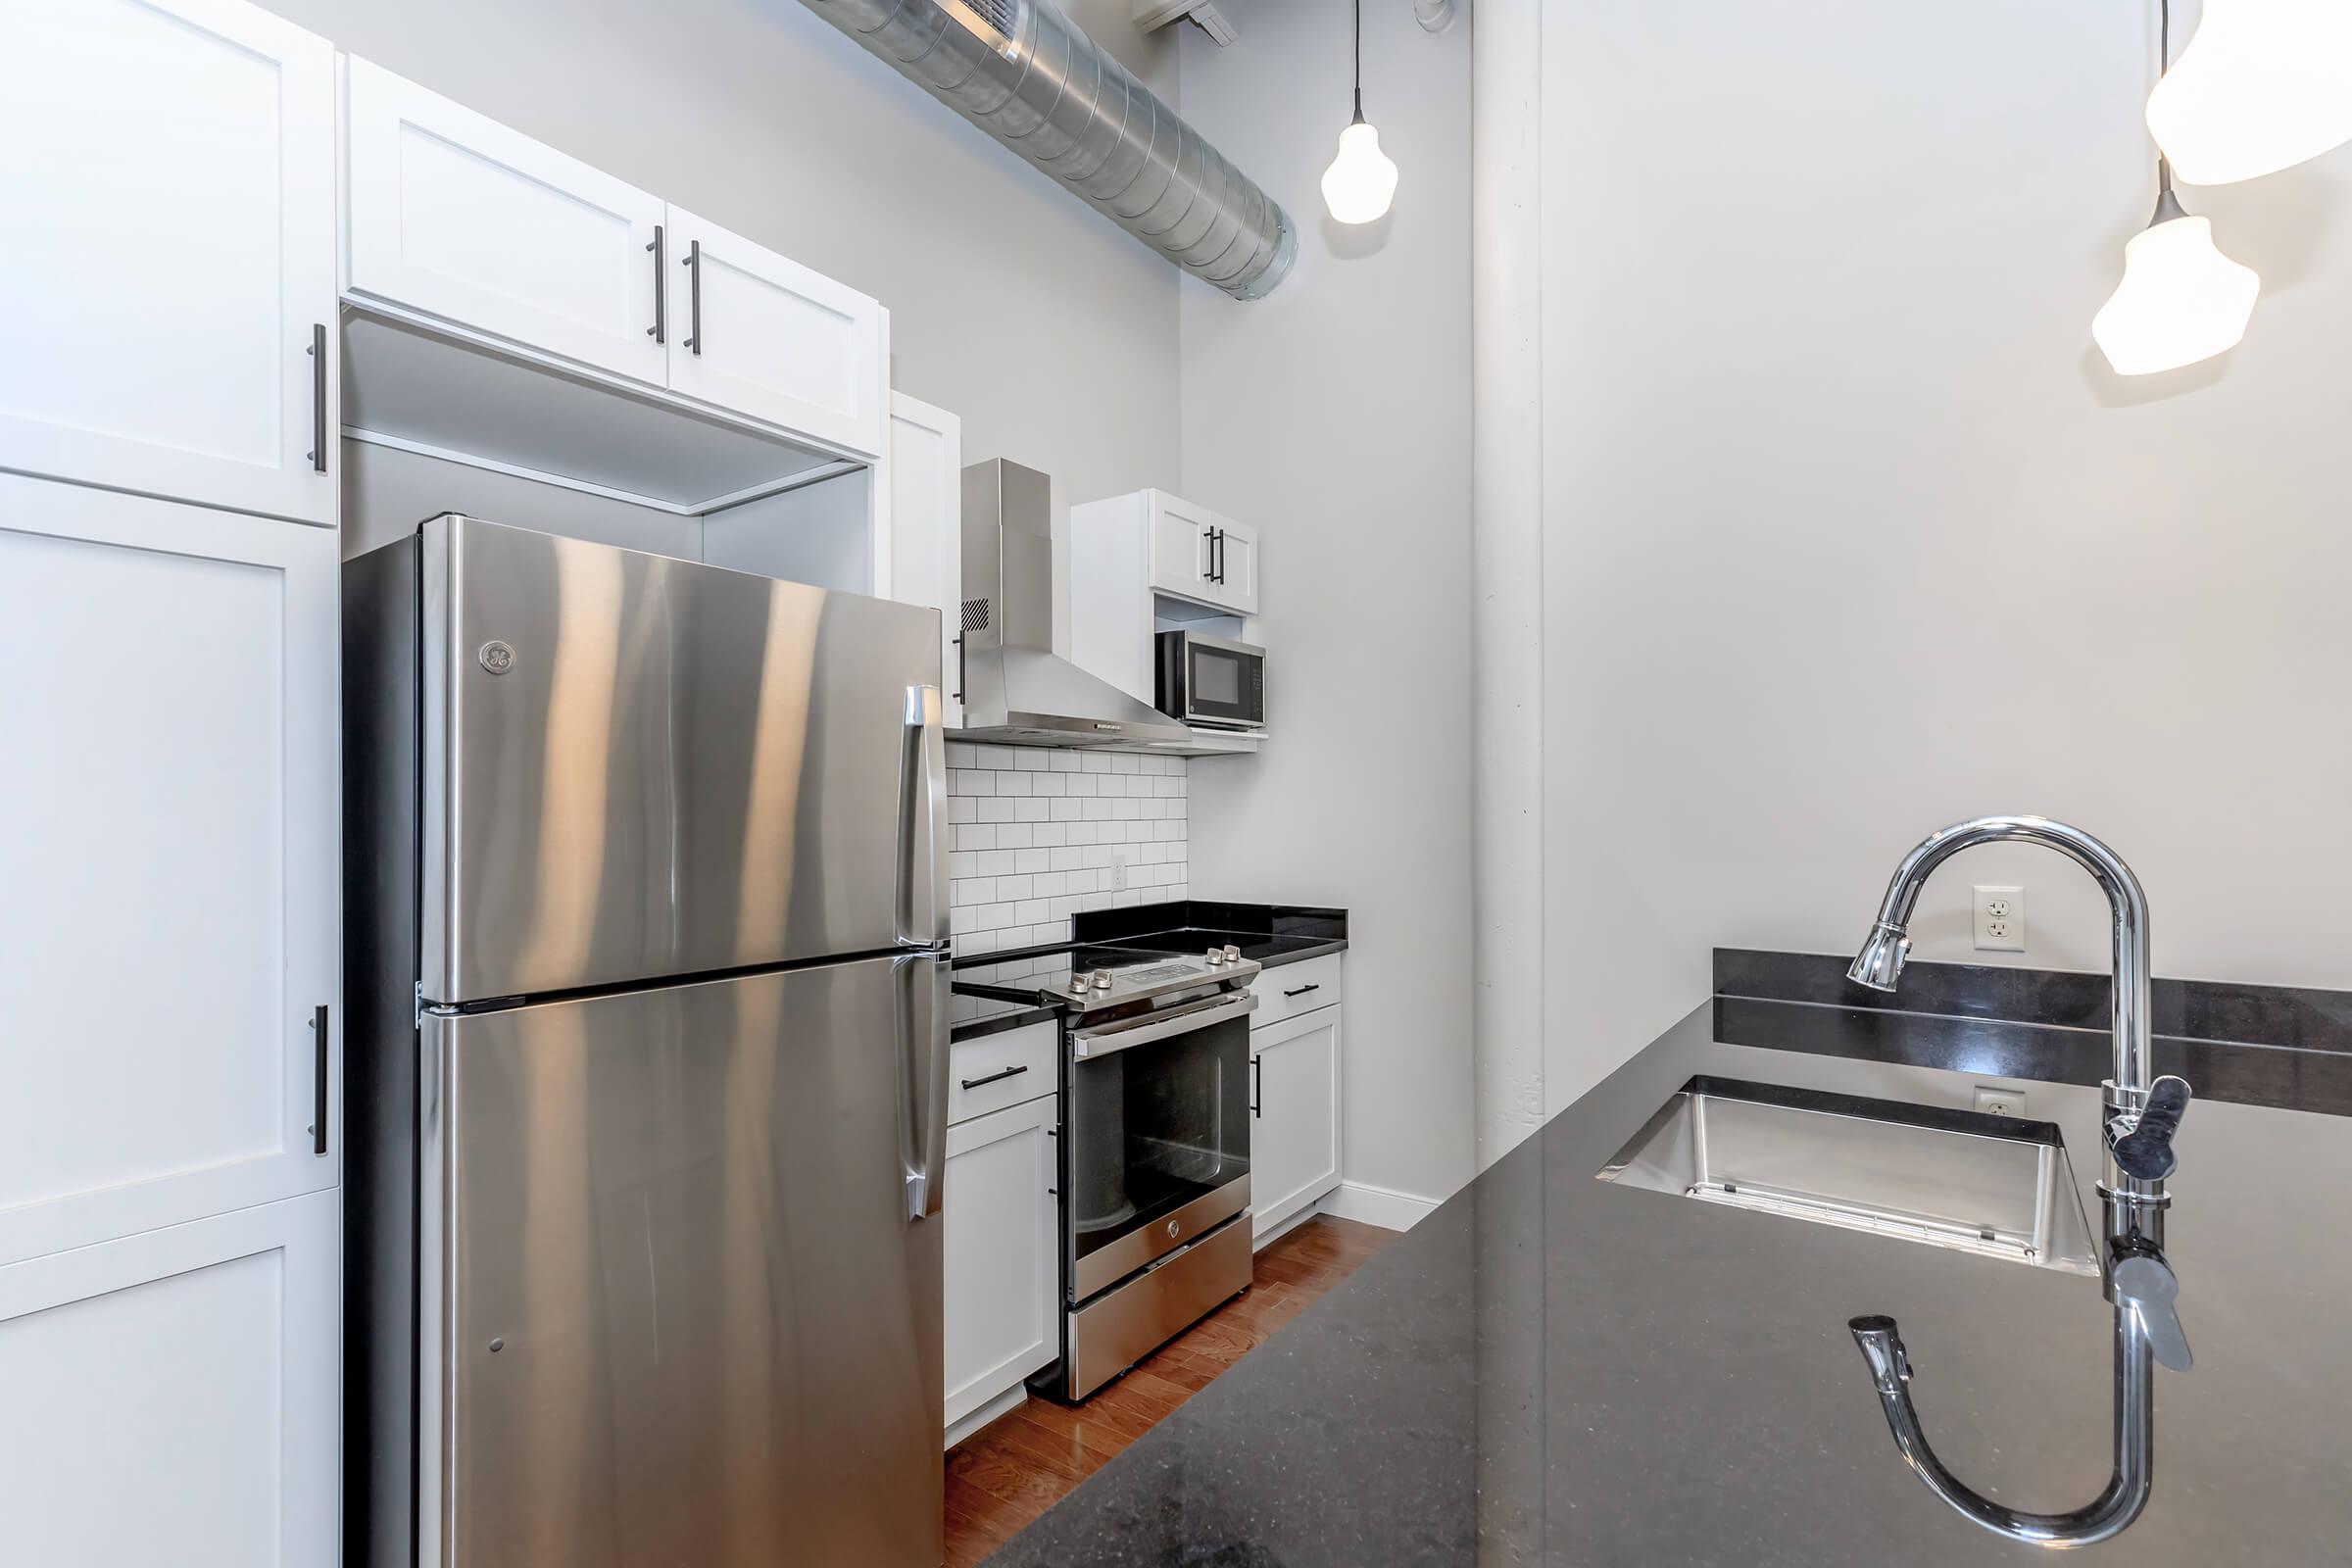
[1303, 989]
[996, 1077]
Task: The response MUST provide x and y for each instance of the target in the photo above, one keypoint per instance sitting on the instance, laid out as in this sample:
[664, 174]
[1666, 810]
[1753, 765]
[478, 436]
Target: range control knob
[1216, 957]
[1101, 979]
[1233, 955]
[1078, 985]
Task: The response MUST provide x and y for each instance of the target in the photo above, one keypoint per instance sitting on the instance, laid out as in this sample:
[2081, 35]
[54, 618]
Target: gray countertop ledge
[1554, 1369]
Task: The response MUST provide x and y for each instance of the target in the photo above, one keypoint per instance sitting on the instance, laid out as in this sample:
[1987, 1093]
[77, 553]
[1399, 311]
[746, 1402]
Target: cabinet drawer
[999, 1070]
[1291, 989]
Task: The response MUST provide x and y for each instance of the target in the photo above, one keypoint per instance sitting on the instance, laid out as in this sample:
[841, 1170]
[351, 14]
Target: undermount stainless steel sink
[1990, 1185]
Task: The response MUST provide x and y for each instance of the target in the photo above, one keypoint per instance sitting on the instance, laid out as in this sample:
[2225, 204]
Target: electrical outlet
[1996, 1102]
[1118, 870]
[2001, 919]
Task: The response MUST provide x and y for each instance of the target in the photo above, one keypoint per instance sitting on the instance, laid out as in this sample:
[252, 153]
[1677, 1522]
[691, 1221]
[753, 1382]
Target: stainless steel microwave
[1212, 680]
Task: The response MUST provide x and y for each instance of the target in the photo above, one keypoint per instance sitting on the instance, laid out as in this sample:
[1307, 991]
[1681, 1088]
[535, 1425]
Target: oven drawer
[1113, 1331]
[1290, 989]
[1001, 1070]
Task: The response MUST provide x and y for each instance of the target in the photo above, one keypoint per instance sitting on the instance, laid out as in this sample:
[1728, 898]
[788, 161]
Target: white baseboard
[1004, 1403]
[1377, 1205]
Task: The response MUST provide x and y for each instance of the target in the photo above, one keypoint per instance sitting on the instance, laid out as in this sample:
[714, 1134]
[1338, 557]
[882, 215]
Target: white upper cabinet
[169, 252]
[171, 789]
[754, 331]
[459, 218]
[924, 555]
[455, 215]
[1200, 556]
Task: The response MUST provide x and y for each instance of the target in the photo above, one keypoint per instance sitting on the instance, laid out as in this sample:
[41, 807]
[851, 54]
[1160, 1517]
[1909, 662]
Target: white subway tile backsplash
[1032, 832]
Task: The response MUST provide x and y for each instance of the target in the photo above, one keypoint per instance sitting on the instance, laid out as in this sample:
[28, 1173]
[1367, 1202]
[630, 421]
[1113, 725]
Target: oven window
[1154, 1127]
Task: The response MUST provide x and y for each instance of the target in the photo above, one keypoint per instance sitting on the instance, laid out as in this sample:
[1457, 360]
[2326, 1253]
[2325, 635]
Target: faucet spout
[1880, 966]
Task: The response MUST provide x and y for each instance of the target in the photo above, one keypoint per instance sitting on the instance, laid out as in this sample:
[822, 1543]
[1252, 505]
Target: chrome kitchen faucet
[2139, 1116]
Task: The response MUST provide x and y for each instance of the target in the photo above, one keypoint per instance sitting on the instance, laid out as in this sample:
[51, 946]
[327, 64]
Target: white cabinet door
[1233, 560]
[1294, 1140]
[924, 551]
[169, 797]
[1003, 1275]
[169, 249]
[1181, 537]
[1198, 555]
[173, 1398]
[457, 215]
[754, 331]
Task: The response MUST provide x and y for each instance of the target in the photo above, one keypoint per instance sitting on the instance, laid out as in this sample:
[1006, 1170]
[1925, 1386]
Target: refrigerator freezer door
[687, 1318]
[636, 768]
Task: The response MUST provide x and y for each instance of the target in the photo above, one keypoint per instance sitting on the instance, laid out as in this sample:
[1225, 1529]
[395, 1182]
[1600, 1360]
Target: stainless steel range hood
[1015, 687]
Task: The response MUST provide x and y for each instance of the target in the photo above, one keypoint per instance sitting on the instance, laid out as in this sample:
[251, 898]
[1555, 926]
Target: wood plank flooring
[1019, 1465]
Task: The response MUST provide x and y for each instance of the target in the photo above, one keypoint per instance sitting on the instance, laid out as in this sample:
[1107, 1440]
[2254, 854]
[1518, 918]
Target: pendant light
[2180, 299]
[1361, 182]
[2264, 85]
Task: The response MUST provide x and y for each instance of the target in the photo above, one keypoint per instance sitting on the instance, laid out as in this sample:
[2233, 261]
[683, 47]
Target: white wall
[1050, 331]
[1335, 415]
[1850, 533]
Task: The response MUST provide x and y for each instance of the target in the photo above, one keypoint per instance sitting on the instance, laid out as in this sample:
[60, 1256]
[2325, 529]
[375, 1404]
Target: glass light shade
[1361, 182]
[2180, 299]
[2264, 85]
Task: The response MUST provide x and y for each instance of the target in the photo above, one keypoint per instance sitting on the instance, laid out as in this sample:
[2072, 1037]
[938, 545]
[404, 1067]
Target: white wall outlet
[1993, 1101]
[1118, 870]
[2001, 919]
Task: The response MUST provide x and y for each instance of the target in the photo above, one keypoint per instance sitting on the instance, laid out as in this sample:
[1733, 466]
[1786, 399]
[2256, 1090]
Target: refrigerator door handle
[921, 997]
[922, 811]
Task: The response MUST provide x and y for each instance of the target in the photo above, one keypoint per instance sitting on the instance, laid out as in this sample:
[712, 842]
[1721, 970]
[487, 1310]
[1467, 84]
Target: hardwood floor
[1015, 1468]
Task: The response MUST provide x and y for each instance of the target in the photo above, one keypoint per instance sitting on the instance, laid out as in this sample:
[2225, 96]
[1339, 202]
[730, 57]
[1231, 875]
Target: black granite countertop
[1560, 1370]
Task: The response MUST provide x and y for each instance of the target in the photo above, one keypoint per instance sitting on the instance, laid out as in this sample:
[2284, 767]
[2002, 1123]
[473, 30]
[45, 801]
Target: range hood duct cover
[1027, 74]
[1015, 687]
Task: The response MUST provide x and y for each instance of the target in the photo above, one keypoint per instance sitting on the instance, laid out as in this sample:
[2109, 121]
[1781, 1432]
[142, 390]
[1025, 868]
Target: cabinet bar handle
[319, 1070]
[1303, 989]
[659, 330]
[694, 297]
[958, 694]
[1257, 1086]
[996, 1077]
[318, 453]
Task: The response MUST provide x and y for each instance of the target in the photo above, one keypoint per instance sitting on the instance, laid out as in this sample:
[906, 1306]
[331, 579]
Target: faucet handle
[2145, 1149]
[2146, 1283]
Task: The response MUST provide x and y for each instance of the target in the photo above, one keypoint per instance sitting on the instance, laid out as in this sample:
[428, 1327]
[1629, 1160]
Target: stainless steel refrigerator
[647, 1072]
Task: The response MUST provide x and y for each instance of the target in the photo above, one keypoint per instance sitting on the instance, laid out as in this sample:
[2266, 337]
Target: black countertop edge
[1554, 1369]
[1208, 914]
[2285, 1077]
[977, 1028]
[2216, 1011]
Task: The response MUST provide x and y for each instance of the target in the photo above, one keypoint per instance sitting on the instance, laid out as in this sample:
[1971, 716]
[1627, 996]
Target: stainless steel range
[1155, 1141]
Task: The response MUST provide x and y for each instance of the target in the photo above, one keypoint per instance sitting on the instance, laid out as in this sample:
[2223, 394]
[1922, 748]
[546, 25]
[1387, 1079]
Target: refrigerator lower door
[675, 1306]
[634, 766]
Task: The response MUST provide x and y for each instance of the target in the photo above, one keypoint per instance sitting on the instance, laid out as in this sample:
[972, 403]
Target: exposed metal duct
[1027, 74]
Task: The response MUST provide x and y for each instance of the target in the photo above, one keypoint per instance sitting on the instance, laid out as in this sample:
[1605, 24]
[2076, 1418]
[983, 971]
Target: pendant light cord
[2164, 65]
[1359, 62]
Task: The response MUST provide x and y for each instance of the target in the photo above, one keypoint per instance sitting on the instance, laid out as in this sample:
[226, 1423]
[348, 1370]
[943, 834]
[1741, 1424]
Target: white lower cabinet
[1295, 1096]
[172, 1396]
[1004, 1274]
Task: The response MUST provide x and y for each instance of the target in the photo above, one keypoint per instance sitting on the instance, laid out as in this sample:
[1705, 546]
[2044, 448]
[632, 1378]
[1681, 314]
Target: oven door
[1224, 683]
[1158, 1128]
